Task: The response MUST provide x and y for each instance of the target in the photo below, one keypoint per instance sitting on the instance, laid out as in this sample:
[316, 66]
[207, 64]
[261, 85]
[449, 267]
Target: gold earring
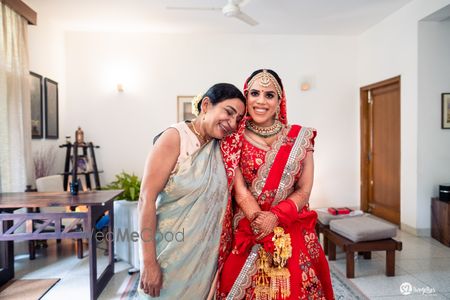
[277, 113]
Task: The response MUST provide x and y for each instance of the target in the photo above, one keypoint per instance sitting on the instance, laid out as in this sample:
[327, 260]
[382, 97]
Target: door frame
[366, 140]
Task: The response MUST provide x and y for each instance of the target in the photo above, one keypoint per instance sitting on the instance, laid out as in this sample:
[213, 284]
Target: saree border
[294, 164]
[263, 172]
[244, 279]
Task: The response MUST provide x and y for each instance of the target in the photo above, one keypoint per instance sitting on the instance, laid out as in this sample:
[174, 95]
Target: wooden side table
[440, 221]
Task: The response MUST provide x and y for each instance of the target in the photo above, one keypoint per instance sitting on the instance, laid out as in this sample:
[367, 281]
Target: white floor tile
[381, 285]
[60, 261]
[438, 279]
[411, 297]
[424, 264]
[364, 267]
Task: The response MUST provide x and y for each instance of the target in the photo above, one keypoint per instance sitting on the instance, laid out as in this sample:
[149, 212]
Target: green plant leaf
[129, 183]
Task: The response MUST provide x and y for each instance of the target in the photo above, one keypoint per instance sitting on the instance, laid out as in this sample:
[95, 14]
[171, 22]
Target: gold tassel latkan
[279, 283]
[273, 277]
[262, 288]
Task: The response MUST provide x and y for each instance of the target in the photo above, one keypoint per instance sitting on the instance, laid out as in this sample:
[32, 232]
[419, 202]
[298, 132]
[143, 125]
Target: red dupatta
[279, 163]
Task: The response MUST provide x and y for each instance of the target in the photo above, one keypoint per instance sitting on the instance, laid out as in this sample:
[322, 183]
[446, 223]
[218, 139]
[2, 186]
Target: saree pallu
[272, 176]
[189, 214]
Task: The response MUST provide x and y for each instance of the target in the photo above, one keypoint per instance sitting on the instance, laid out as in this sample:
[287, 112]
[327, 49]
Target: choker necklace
[201, 137]
[264, 132]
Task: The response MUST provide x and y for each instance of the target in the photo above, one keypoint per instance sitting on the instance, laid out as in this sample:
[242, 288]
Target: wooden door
[380, 149]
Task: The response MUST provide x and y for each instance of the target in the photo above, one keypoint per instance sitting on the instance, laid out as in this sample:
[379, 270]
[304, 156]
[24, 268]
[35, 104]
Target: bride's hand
[151, 279]
[263, 223]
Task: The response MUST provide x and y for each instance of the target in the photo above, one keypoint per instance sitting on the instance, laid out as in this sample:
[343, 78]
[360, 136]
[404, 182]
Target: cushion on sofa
[325, 217]
[364, 228]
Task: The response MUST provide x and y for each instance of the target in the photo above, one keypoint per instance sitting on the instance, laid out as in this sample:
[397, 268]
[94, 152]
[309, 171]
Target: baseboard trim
[415, 231]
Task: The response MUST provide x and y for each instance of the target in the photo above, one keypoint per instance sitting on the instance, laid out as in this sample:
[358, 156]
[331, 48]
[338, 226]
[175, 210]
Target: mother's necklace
[264, 132]
[201, 137]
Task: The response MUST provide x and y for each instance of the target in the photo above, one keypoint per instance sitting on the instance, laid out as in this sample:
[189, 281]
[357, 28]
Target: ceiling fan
[232, 10]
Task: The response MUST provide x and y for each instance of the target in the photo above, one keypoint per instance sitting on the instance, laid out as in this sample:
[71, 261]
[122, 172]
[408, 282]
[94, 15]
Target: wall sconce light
[305, 86]
[120, 88]
[307, 82]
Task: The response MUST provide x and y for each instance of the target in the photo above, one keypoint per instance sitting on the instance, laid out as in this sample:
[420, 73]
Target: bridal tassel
[276, 270]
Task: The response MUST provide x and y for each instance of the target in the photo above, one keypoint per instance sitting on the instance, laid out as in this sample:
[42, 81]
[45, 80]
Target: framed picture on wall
[446, 111]
[37, 106]
[51, 109]
[184, 108]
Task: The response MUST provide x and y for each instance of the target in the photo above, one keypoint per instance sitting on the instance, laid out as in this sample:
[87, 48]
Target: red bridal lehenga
[271, 176]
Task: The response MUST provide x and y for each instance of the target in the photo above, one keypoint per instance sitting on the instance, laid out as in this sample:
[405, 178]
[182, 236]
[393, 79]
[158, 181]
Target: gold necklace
[204, 139]
[264, 132]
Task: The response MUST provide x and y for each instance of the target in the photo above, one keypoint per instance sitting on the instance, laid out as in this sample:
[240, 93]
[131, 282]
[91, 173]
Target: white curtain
[15, 116]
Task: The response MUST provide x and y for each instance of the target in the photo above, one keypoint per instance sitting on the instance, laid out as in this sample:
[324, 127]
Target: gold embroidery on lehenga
[311, 286]
[312, 244]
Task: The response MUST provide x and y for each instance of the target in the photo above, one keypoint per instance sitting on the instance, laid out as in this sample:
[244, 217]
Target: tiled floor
[423, 264]
[60, 261]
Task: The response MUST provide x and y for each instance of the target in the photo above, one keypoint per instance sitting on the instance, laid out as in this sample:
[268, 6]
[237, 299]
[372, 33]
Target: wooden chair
[52, 183]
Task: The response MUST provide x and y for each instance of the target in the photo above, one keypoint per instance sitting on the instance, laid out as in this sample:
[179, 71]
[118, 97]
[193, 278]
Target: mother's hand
[151, 279]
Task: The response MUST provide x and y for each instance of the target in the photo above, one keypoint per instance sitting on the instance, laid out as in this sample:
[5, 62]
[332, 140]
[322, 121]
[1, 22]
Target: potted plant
[129, 183]
[125, 218]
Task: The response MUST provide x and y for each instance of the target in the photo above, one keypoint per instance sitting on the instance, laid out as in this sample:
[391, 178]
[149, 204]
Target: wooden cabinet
[440, 221]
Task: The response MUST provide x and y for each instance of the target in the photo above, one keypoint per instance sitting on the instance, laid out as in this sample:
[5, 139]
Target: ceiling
[311, 17]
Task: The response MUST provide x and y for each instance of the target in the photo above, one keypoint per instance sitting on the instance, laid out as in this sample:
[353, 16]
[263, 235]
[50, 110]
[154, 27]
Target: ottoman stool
[362, 234]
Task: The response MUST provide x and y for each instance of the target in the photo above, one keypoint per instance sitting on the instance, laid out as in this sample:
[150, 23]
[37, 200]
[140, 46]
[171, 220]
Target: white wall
[434, 142]
[154, 69]
[47, 58]
[388, 49]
